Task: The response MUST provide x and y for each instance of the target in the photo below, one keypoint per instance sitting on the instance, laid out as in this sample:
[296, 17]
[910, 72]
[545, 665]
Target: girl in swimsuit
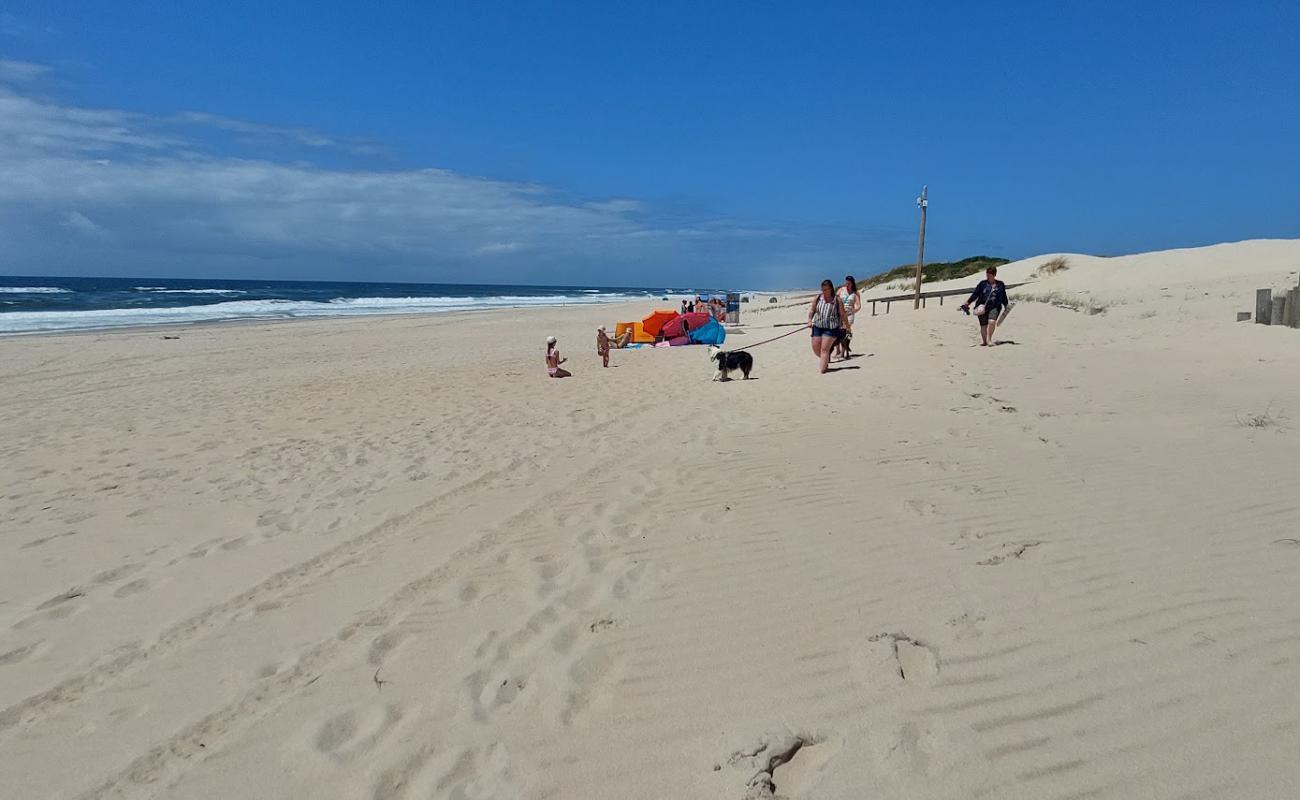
[848, 294]
[602, 345]
[553, 360]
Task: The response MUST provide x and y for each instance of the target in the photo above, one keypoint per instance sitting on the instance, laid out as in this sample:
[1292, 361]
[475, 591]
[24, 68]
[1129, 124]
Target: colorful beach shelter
[710, 333]
[679, 325]
[654, 323]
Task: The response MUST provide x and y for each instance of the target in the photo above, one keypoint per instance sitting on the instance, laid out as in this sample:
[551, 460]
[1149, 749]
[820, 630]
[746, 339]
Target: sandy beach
[387, 558]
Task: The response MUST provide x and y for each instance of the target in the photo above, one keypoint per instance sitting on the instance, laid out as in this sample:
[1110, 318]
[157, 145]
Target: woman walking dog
[826, 317]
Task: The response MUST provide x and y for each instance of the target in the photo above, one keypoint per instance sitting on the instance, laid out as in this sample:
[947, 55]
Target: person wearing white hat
[553, 360]
[602, 345]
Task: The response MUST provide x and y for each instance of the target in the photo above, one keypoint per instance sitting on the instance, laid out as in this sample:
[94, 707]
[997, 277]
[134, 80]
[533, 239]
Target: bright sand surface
[387, 558]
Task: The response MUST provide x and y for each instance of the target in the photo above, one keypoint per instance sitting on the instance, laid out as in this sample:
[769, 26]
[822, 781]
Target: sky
[754, 144]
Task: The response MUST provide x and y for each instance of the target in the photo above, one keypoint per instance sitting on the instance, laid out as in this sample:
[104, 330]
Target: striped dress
[827, 314]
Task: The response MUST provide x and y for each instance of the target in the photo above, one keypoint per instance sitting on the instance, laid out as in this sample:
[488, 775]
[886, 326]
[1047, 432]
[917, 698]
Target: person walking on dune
[989, 297]
[826, 317]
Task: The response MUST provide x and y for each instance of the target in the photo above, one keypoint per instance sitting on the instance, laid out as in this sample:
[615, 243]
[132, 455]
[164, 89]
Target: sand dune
[389, 559]
[1202, 283]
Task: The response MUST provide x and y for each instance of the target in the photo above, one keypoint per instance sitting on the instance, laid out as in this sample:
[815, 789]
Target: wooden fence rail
[939, 293]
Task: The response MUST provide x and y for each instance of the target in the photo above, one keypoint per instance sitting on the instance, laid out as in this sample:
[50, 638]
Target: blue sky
[634, 144]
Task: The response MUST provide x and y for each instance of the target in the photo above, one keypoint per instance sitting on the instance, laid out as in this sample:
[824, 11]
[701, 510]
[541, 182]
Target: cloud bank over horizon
[195, 194]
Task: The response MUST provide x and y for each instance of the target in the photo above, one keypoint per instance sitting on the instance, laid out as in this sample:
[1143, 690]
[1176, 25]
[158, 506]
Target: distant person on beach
[602, 345]
[686, 307]
[848, 294]
[826, 317]
[553, 360]
[990, 298]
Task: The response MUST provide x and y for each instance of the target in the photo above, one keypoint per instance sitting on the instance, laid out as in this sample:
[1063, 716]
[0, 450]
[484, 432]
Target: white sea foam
[38, 321]
[33, 290]
[164, 290]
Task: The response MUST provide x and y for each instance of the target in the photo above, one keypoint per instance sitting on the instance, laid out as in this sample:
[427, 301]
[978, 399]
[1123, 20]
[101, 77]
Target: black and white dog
[728, 360]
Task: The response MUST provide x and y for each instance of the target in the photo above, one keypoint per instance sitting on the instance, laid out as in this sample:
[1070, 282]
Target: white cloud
[497, 248]
[257, 132]
[78, 222]
[618, 206]
[20, 71]
[72, 175]
[29, 126]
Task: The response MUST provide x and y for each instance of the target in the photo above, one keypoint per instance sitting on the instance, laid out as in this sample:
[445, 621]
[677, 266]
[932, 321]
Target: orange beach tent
[654, 323]
[645, 331]
[639, 336]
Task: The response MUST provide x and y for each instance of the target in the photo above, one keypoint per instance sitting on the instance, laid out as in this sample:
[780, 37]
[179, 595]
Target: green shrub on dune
[936, 271]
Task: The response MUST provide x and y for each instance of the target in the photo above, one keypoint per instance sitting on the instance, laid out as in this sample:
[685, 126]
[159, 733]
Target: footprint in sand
[630, 579]
[134, 587]
[20, 654]
[564, 640]
[56, 608]
[1010, 552]
[564, 690]
[384, 644]
[202, 550]
[967, 626]
[783, 761]
[893, 659]
[921, 508]
[468, 592]
[430, 771]
[117, 574]
[588, 674]
[355, 731]
[551, 573]
[491, 691]
[60, 599]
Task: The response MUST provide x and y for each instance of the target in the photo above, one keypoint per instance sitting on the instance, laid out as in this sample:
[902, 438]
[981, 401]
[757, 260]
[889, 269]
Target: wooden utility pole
[921, 203]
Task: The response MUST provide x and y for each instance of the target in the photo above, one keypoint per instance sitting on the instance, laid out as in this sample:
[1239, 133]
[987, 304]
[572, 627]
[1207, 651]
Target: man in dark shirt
[990, 297]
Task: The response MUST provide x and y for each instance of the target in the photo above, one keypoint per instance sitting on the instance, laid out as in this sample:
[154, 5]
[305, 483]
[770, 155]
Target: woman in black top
[990, 297]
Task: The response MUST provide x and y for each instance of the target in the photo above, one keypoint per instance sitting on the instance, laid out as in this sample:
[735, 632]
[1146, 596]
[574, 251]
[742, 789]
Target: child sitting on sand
[553, 360]
[602, 345]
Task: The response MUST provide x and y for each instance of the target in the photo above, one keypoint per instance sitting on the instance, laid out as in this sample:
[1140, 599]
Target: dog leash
[773, 339]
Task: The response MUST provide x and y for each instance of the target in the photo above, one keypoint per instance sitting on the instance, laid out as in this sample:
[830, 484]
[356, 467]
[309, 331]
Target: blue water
[29, 305]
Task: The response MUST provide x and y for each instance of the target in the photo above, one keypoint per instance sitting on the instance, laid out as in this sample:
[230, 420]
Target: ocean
[31, 305]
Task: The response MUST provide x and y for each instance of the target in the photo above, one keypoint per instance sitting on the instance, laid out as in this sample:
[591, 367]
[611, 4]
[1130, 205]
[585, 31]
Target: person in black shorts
[990, 297]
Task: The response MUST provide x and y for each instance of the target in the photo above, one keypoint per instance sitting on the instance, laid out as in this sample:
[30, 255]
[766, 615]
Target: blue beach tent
[710, 333]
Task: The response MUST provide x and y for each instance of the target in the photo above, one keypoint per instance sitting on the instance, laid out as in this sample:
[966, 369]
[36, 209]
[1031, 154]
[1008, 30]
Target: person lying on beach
[620, 341]
[553, 360]
[602, 345]
[989, 297]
